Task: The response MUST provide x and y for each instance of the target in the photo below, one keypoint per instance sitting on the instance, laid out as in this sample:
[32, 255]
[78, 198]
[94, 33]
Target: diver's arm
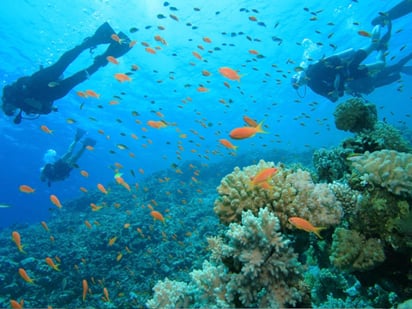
[399, 10]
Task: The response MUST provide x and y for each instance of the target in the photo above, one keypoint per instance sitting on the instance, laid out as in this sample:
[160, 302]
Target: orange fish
[263, 175]
[160, 39]
[206, 73]
[157, 124]
[197, 55]
[150, 50]
[249, 121]
[85, 288]
[25, 276]
[83, 189]
[132, 43]
[253, 52]
[112, 59]
[202, 89]
[102, 188]
[364, 33]
[112, 241]
[50, 262]
[305, 225]
[55, 201]
[207, 40]
[246, 132]
[91, 93]
[229, 73]
[44, 225]
[81, 94]
[15, 236]
[84, 173]
[157, 216]
[14, 304]
[26, 189]
[116, 38]
[227, 144]
[45, 129]
[121, 77]
[87, 223]
[106, 293]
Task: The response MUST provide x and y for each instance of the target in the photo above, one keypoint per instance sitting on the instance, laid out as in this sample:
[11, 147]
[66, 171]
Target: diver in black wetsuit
[328, 76]
[35, 94]
[61, 169]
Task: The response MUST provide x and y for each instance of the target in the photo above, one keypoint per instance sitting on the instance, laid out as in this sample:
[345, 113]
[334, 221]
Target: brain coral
[389, 169]
[354, 115]
[350, 250]
[291, 193]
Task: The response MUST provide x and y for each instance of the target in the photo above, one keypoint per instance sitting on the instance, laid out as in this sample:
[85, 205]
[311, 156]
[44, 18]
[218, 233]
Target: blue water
[36, 33]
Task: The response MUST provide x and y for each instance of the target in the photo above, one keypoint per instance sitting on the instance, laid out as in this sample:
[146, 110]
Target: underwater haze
[165, 206]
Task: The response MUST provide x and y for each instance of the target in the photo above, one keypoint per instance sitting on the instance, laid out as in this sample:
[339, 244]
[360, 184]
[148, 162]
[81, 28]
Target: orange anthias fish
[91, 93]
[50, 262]
[25, 276]
[15, 236]
[102, 188]
[85, 288]
[45, 129]
[157, 124]
[26, 189]
[121, 77]
[228, 144]
[364, 33]
[249, 121]
[263, 175]
[14, 304]
[305, 225]
[157, 216]
[246, 132]
[229, 73]
[112, 59]
[55, 201]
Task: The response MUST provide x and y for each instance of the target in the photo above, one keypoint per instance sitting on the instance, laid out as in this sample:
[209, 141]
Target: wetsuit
[56, 171]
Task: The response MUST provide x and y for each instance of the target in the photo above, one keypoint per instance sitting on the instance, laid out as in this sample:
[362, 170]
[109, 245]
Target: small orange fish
[157, 216]
[106, 293]
[102, 188]
[81, 94]
[84, 173]
[229, 73]
[157, 124]
[197, 55]
[207, 40]
[246, 132]
[25, 276]
[150, 50]
[91, 93]
[132, 43]
[85, 288]
[202, 89]
[112, 59]
[55, 201]
[253, 52]
[26, 189]
[88, 225]
[83, 189]
[112, 241]
[50, 262]
[44, 225]
[45, 129]
[228, 144]
[15, 236]
[250, 122]
[206, 73]
[121, 77]
[263, 175]
[14, 304]
[116, 38]
[305, 225]
[364, 33]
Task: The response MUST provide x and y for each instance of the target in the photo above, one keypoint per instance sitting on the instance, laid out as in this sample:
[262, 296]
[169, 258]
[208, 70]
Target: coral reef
[252, 266]
[389, 169]
[382, 136]
[330, 164]
[354, 115]
[291, 193]
[352, 251]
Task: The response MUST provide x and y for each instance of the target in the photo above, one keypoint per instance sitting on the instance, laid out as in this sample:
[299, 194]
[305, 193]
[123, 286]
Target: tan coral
[291, 194]
[389, 169]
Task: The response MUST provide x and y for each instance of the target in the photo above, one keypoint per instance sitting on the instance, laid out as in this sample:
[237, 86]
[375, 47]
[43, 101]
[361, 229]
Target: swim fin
[407, 70]
[101, 36]
[116, 49]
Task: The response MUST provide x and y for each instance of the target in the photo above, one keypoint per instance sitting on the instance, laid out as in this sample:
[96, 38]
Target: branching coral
[354, 115]
[330, 164]
[389, 169]
[291, 193]
[352, 251]
[252, 266]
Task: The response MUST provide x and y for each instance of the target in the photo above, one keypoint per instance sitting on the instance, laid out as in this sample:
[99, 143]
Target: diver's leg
[383, 79]
[67, 155]
[53, 72]
[399, 10]
[76, 157]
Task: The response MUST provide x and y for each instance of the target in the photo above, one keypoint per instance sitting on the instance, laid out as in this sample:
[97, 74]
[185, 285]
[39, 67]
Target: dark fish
[165, 3]
[172, 8]
[133, 30]
[261, 23]
[277, 39]
[161, 16]
[148, 27]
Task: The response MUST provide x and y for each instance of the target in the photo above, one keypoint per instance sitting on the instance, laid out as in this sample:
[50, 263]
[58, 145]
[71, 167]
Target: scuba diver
[35, 94]
[328, 76]
[399, 10]
[58, 170]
